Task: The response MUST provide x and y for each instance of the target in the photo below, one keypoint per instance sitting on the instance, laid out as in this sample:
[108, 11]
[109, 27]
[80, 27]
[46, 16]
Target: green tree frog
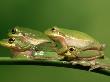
[33, 37]
[29, 35]
[23, 49]
[17, 47]
[72, 38]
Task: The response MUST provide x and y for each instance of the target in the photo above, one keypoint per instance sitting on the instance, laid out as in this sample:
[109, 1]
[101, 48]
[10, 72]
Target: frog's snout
[3, 42]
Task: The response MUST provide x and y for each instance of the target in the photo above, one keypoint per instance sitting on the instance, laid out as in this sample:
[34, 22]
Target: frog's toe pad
[94, 67]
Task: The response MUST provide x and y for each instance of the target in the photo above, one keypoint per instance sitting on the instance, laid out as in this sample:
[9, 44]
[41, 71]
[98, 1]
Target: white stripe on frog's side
[35, 41]
[39, 53]
[77, 42]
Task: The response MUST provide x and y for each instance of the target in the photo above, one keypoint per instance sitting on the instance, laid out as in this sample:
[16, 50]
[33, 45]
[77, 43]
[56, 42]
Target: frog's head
[16, 32]
[25, 32]
[12, 43]
[54, 33]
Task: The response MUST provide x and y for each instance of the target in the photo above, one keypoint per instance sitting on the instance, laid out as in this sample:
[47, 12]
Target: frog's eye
[53, 29]
[11, 40]
[13, 30]
[71, 49]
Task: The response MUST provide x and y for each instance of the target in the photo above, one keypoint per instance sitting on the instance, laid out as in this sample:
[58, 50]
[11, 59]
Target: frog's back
[33, 33]
[77, 34]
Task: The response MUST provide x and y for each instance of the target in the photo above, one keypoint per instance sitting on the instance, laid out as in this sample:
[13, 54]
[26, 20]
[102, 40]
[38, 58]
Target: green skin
[19, 49]
[74, 42]
[32, 36]
[72, 38]
[22, 49]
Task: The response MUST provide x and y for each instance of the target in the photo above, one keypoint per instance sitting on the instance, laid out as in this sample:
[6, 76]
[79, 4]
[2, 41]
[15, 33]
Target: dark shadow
[57, 64]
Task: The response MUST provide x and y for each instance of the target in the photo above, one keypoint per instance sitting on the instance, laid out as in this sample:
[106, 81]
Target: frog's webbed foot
[92, 64]
[105, 67]
[94, 67]
[81, 62]
[99, 65]
[61, 51]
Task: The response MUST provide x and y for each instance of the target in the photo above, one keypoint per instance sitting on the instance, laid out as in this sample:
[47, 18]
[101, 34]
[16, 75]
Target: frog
[22, 49]
[85, 61]
[29, 35]
[73, 38]
[33, 37]
[18, 48]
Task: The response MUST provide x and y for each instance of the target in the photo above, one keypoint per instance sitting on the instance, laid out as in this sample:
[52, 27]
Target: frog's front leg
[62, 51]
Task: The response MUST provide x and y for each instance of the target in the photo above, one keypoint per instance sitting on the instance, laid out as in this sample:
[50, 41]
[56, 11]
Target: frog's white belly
[80, 43]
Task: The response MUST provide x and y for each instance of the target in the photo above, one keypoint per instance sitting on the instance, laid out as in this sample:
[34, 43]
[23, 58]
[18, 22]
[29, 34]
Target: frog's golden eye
[13, 30]
[11, 40]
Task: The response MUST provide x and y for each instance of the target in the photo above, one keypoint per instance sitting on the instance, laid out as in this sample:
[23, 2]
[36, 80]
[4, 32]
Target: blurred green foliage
[90, 16]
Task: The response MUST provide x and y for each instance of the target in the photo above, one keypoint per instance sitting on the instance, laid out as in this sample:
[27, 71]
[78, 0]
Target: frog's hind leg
[98, 48]
[100, 54]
